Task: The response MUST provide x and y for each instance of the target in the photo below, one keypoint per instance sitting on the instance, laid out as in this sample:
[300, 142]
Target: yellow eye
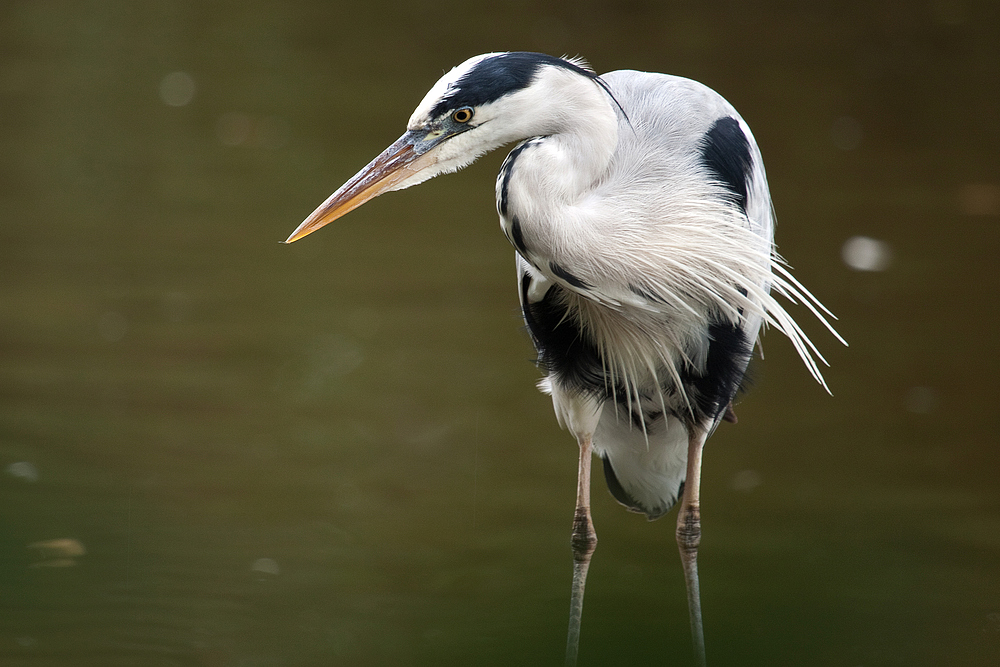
[463, 115]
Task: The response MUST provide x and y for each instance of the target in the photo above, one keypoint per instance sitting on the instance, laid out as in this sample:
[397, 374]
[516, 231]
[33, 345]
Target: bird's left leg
[689, 537]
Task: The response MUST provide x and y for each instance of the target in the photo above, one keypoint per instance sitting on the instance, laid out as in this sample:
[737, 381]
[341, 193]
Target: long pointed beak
[403, 159]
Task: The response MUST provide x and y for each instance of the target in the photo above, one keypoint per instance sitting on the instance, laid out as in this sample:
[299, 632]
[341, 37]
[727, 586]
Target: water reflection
[333, 453]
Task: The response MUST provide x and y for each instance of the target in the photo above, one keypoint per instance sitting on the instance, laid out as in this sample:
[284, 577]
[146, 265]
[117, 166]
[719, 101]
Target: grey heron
[639, 211]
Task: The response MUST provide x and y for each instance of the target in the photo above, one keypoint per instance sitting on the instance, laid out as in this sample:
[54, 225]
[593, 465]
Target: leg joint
[584, 539]
[689, 528]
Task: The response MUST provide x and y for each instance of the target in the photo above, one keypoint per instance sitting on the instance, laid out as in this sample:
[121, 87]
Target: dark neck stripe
[506, 169]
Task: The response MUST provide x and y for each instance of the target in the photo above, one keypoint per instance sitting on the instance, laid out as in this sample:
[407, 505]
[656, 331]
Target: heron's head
[486, 102]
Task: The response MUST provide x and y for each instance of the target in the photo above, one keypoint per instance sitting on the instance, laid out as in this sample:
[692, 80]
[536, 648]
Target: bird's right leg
[584, 540]
[689, 537]
[579, 414]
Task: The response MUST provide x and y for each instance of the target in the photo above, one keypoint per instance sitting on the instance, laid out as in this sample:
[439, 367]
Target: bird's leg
[584, 542]
[689, 536]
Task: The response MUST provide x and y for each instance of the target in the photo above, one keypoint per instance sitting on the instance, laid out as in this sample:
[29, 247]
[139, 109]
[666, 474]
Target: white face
[525, 94]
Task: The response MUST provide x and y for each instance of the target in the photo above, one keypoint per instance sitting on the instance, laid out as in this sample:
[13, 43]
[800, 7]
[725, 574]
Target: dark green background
[185, 396]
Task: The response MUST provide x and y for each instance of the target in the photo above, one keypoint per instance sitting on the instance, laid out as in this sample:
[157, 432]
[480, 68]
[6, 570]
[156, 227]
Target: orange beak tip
[392, 166]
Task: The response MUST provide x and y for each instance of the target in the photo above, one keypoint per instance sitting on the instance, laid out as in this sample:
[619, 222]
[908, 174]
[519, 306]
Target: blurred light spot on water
[26, 642]
[266, 566]
[746, 481]
[60, 552]
[177, 89]
[112, 326]
[23, 470]
[979, 199]
[239, 129]
[920, 400]
[862, 253]
[846, 133]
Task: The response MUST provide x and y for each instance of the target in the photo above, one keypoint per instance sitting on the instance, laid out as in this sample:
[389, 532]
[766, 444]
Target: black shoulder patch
[725, 152]
[496, 76]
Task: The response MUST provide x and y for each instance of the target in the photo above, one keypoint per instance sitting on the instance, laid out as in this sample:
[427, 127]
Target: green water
[332, 452]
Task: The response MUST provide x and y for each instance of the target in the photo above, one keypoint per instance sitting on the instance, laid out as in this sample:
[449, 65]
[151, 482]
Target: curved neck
[577, 125]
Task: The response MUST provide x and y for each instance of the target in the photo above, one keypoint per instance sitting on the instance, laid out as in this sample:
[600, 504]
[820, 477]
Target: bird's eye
[463, 115]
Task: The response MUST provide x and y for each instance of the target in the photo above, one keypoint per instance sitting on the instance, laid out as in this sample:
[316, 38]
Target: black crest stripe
[499, 75]
[496, 76]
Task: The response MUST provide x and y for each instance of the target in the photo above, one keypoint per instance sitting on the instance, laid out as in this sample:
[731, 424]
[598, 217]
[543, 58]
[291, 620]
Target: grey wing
[683, 214]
